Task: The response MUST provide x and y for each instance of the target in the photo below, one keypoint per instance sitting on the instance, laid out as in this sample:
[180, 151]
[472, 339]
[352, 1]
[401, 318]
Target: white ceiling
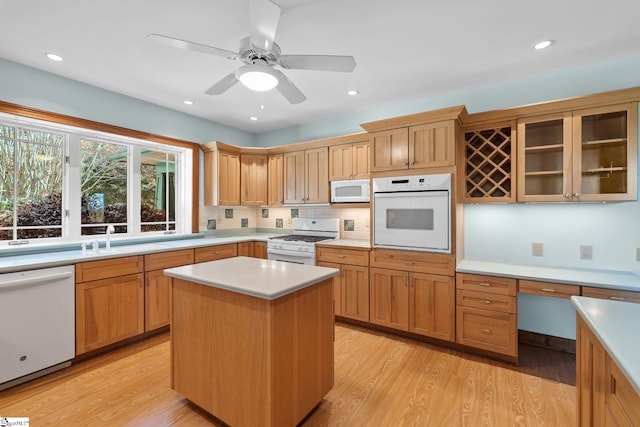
[404, 49]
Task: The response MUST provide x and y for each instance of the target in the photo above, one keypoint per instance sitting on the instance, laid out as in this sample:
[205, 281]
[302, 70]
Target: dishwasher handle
[16, 284]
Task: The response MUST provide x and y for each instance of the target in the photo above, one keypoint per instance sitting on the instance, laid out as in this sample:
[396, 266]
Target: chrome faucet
[110, 230]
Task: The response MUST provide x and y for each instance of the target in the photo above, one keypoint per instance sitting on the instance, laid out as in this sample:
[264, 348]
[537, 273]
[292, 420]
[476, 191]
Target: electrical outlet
[586, 251]
[536, 249]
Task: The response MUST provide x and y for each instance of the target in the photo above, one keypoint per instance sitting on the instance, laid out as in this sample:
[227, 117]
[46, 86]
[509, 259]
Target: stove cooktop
[300, 238]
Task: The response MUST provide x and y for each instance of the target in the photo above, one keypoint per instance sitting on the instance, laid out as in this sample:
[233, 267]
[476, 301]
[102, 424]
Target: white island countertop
[613, 323]
[256, 277]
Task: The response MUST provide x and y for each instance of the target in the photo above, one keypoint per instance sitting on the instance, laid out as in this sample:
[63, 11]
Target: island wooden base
[250, 361]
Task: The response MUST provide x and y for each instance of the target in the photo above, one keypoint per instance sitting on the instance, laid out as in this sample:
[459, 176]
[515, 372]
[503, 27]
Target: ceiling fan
[261, 54]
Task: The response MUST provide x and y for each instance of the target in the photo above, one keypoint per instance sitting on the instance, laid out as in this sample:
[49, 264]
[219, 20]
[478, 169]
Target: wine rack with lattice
[488, 165]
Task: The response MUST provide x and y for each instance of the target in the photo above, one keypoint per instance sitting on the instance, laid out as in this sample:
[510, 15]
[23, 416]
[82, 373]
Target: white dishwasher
[37, 323]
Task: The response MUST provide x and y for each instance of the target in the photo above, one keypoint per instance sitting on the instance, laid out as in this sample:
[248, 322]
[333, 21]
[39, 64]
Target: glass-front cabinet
[583, 155]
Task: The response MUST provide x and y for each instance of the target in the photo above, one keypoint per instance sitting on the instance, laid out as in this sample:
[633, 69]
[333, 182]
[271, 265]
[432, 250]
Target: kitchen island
[252, 339]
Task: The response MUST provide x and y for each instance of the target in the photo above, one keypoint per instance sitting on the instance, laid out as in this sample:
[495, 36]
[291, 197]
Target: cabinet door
[156, 300]
[294, 185]
[275, 179]
[390, 150]
[337, 287]
[605, 153]
[260, 250]
[355, 292]
[432, 145]
[228, 178]
[341, 162]
[361, 159]
[544, 158]
[245, 249]
[432, 306]
[590, 377]
[389, 298]
[253, 180]
[108, 311]
[316, 175]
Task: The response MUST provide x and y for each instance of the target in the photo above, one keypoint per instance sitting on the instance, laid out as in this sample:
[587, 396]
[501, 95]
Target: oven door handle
[292, 254]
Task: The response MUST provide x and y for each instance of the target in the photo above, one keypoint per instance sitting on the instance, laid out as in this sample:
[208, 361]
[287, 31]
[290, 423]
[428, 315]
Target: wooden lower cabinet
[157, 294]
[486, 314]
[350, 290]
[604, 395]
[253, 249]
[415, 302]
[108, 311]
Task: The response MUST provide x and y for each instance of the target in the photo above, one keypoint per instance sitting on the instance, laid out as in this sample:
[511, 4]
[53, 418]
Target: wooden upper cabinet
[432, 145]
[583, 155]
[253, 179]
[306, 176]
[349, 161]
[390, 150]
[316, 164]
[275, 179]
[221, 175]
[415, 147]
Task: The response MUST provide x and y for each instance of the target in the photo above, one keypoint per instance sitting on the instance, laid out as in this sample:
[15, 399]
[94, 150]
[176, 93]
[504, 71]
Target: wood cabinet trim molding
[450, 113]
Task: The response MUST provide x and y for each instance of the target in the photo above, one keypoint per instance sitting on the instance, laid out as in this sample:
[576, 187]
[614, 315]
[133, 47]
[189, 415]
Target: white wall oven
[413, 213]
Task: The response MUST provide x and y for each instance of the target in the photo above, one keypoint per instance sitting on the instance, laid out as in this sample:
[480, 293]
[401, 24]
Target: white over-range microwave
[350, 191]
[412, 212]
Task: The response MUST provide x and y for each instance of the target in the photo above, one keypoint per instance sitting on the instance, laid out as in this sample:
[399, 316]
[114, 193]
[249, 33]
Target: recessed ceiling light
[353, 92]
[54, 57]
[187, 102]
[253, 118]
[543, 44]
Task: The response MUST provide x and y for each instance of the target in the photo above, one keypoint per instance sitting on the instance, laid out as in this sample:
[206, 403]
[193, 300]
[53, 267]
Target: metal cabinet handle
[548, 290]
[406, 163]
[411, 163]
[577, 195]
[340, 256]
[486, 301]
[567, 196]
[409, 263]
[618, 298]
[486, 285]
[486, 331]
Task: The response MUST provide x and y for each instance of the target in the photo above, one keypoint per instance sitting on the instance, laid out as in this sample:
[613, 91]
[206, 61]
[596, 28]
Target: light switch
[586, 251]
[536, 249]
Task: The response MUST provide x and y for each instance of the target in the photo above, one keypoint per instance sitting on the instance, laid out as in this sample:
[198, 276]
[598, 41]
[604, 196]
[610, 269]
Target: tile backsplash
[354, 222]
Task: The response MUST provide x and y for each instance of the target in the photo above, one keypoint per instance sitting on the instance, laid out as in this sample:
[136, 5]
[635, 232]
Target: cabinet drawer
[162, 260]
[611, 294]
[419, 262]
[490, 284]
[548, 289]
[486, 301]
[487, 330]
[212, 253]
[342, 256]
[103, 269]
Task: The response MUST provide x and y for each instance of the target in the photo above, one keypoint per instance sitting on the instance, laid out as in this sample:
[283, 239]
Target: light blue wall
[35, 88]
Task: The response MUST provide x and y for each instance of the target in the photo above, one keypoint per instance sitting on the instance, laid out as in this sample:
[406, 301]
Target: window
[31, 167]
[61, 183]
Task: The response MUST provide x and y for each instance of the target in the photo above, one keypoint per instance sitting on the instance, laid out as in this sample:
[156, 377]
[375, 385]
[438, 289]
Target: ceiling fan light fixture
[257, 77]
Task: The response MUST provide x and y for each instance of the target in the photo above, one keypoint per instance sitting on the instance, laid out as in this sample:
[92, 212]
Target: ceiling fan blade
[288, 89]
[344, 64]
[183, 44]
[224, 84]
[263, 23]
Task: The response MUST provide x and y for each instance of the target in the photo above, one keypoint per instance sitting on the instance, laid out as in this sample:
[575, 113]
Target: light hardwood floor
[380, 380]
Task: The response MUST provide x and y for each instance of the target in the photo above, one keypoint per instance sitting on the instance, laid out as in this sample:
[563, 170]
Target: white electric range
[300, 247]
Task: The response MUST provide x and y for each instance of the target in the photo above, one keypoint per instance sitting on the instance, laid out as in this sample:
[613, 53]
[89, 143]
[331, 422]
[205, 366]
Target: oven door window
[412, 220]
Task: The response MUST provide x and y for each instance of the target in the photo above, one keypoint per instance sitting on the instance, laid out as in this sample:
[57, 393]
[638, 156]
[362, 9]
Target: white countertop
[613, 323]
[53, 259]
[253, 276]
[613, 279]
